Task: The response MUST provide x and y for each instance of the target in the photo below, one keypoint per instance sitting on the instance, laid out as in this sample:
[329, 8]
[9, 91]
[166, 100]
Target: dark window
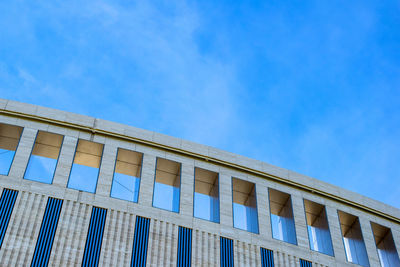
[43, 160]
[47, 232]
[244, 205]
[304, 263]
[385, 245]
[353, 240]
[318, 227]
[206, 195]
[282, 219]
[167, 185]
[140, 241]
[126, 181]
[267, 257]
[9, 139]
[226, 252]
[86, 165]
[94, 239]
[7, 202]
[184, 247]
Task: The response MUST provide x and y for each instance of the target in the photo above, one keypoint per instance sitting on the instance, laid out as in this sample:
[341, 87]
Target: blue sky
[312, 86]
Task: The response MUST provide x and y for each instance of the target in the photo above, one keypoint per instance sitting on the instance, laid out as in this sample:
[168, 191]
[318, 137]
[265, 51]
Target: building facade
[80, 191]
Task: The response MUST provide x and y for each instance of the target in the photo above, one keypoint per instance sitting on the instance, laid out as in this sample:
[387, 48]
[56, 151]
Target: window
[304, 263]
[127, 173]
[85, 169]
[91, 255]
[9, 139]
[47, 232]
[167, 185]
[43, 160]
[282, 220]
[140, 241]
[385, 245]
[226, 250]
[318, 228]
[244, 205]
[353, 239]
[267, 257]
[206, 195]
[7, 202]
[184, 258]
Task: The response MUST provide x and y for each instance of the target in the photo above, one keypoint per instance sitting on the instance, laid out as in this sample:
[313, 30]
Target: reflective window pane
[85, 168]
[318, 229]
[245, 214]
[385, 245]
[206, 195]
[167, 185]
[282, 220]
[43, 160]
[127, 173]
[9, 139]
[352, 238]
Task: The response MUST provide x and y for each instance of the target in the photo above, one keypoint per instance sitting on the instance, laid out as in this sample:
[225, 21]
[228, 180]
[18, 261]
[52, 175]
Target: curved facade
[76, 190]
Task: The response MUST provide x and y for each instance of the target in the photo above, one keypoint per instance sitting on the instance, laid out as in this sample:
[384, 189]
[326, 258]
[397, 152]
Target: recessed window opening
[85, 169]
[352, 238]
[244, 204]
[206, 195]
[9, 139]
[385, 245]
[43, 160]
[282, 220]
[127, 173]
[167, 185]
[318, 228]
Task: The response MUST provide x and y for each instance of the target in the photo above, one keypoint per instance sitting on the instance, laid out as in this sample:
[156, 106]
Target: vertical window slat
[89, 237]
[184, 246]
[267, 257]
[7, 202]
[305, 263]
[94, 239]
[140, 242]
[47, 232]
[226, 251]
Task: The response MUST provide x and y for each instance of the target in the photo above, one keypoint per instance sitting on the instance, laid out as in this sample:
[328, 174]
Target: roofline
[95, 130]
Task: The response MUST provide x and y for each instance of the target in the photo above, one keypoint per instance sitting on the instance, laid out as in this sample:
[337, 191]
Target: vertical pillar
[65, 161]
[369, 241]
[106, 170]
[300, 221]
[264, 220]
[147, 180]
[225, 182]
[187, 187]
[23, 153]
[336, 234]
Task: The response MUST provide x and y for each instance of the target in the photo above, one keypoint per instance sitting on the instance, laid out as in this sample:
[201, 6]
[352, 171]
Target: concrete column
[300, 221]
[264, 220]
[147, 180]
[65, 161]
[369, 241]
[336, 234]
[106, 170]
[186, 191]
[23, 153]
[396, 239]
[226, 215]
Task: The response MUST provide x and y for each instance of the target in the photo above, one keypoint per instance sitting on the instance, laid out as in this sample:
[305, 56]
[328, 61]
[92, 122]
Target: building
[76, 190]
